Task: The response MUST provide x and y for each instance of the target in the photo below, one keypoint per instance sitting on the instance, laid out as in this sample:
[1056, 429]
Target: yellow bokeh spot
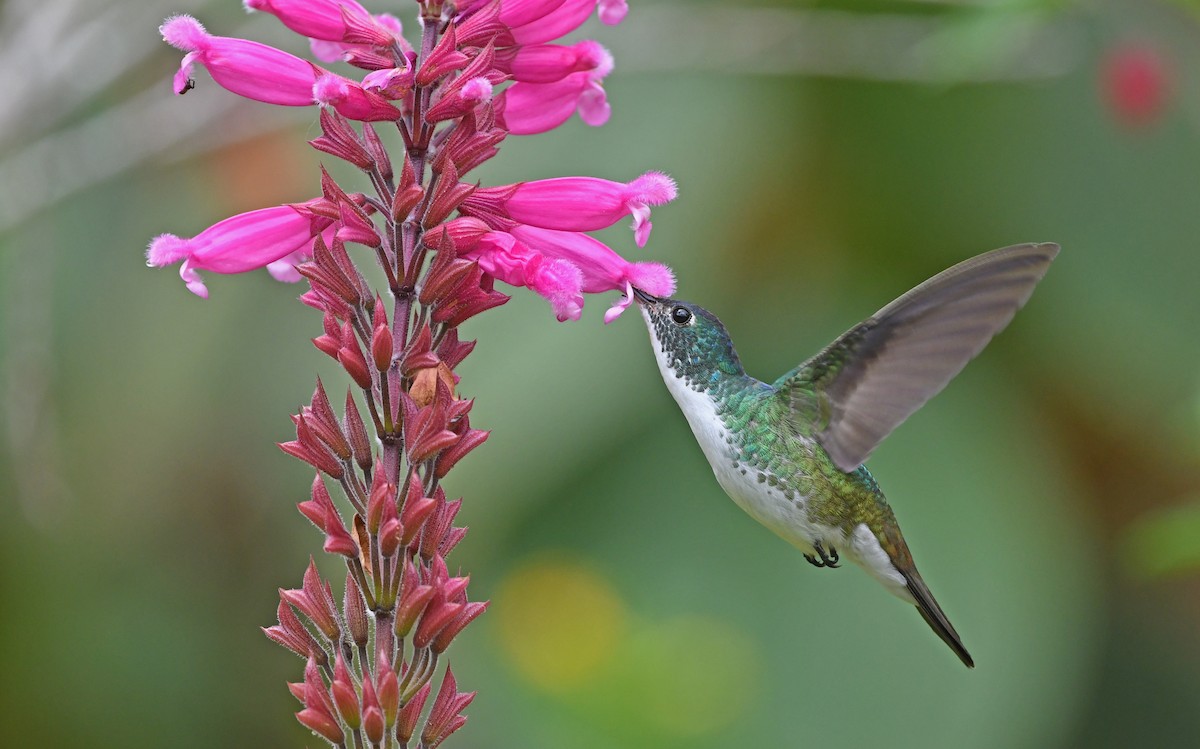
[560, 622]
[695, 675]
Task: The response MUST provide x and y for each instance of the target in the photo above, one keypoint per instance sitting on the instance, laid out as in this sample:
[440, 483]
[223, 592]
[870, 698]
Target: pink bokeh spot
[1136, 83]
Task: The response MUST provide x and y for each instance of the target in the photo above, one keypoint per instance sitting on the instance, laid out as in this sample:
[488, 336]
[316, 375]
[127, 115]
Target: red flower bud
[354, 610]
[445, 717]
[406, 722]
[345, 696]
[360, 443]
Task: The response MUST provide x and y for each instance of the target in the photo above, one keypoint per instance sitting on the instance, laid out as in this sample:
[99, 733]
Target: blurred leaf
[1164, 542]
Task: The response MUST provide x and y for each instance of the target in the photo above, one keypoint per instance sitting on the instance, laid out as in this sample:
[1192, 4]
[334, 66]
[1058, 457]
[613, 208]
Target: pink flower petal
[246, 68]
[238, 244]
[530, 108]
[560, 21]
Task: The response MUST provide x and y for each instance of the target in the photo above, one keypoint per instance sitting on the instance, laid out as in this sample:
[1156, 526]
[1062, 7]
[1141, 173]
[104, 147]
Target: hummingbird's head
[689, 340]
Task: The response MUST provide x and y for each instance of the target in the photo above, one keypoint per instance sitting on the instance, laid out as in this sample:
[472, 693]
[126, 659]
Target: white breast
[787, 518]
[765, 503]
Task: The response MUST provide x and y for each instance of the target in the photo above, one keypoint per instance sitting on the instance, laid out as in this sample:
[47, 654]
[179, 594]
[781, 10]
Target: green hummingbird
[791, 453]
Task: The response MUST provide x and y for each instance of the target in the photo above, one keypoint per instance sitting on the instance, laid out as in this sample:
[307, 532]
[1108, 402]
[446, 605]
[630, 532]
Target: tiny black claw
[830, 559]
[813, 560]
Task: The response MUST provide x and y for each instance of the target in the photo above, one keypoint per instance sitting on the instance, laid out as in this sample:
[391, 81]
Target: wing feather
[879, 372]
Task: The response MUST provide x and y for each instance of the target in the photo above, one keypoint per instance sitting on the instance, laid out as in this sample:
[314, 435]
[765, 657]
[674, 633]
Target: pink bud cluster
[482, 70]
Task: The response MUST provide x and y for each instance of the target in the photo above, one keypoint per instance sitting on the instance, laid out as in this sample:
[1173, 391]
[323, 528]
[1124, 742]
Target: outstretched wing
[875, 375]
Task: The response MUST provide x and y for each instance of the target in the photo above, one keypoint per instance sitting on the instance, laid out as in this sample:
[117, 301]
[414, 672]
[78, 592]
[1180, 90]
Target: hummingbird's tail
[934, 616]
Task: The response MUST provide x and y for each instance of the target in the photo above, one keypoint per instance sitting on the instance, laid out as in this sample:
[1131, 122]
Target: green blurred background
[829, 157]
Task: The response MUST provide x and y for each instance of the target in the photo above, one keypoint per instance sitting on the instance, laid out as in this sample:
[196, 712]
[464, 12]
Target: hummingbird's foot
[829, 559]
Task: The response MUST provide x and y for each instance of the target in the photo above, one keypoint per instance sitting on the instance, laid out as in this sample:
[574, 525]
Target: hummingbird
[790, 453]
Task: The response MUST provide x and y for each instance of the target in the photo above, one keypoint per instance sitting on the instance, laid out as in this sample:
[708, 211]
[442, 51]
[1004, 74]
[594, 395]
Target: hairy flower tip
[166, 249]
[458, 102]
[655, 279]
[653, 188]
[559, 282]
[477, 89]
[604, 63]
[330, 89]
[184, 32]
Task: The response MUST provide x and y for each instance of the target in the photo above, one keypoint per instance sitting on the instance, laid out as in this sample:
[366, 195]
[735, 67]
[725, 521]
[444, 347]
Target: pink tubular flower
[269, 75]
[576, 203]
[246, 68]
[317, 19]
[602, 268]
[561, 266]
[245, 242]
[336, 51]
[547, 63]
[514, 12]
[328, 20]
[284, 269]
[530, 108]
[562, 20]
[558, 281]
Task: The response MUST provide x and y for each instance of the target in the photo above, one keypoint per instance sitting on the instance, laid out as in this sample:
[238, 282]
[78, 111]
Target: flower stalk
[480, 72]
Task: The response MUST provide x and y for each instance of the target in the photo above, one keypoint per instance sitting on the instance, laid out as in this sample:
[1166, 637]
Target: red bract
[439, 241]
[445, 717]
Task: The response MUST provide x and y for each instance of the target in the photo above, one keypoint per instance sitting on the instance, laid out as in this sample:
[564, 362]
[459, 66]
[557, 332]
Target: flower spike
[484, 70]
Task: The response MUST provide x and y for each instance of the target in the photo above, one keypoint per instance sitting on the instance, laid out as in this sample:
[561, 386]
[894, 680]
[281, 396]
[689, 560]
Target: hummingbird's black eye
[681, 315]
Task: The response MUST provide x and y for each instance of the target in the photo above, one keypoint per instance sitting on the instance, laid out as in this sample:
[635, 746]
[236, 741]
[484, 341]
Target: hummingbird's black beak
[644, 298]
